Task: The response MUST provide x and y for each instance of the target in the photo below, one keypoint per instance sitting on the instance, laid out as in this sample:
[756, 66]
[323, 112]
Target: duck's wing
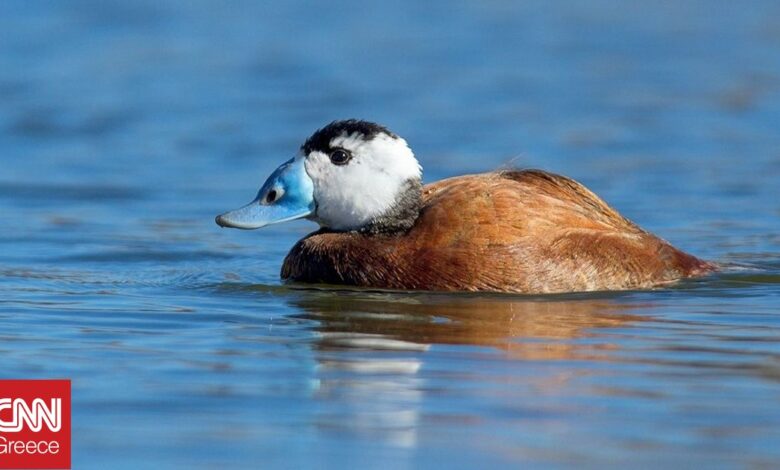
[524, 196]
[533, 231]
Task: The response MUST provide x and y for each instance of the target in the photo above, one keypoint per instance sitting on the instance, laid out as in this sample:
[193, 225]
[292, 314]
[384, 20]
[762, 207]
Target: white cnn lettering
[35, 416]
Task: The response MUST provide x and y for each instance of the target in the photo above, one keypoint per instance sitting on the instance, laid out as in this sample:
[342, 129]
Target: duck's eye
[340, 157]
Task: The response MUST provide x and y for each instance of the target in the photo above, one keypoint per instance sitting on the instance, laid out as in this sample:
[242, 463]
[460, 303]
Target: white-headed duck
[523, 231]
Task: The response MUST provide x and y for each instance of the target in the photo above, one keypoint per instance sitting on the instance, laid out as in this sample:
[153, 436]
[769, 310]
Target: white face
[351, 195]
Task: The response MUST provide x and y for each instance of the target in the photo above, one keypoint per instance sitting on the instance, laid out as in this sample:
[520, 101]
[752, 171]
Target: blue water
[126, 126]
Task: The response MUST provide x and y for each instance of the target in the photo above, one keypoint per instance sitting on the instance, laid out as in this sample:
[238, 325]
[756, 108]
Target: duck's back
[513, 231]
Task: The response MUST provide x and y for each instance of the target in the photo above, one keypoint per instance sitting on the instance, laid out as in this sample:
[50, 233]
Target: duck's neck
[402, 214]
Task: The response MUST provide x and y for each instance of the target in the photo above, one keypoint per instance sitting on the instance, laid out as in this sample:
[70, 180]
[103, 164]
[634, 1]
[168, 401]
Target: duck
[523, 231]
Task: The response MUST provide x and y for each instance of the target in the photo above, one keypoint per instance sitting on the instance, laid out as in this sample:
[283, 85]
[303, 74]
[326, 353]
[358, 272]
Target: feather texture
[518, 231]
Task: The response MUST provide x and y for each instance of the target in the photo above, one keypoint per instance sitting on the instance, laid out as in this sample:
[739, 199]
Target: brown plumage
[511, 231]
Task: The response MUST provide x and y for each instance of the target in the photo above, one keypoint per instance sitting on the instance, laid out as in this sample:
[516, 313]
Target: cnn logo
[35, 416]
[35, 424]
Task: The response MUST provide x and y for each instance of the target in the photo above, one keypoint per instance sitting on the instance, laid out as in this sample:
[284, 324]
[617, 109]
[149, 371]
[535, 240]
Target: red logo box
[34, 424]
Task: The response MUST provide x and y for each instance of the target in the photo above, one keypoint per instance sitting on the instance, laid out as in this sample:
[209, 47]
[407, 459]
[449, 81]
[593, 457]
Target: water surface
[125, 127]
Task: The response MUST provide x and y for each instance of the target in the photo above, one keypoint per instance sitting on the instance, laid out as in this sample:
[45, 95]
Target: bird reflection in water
[371, 348]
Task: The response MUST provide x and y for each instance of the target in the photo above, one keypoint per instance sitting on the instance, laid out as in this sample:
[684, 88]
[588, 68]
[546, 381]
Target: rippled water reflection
[125, 127]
